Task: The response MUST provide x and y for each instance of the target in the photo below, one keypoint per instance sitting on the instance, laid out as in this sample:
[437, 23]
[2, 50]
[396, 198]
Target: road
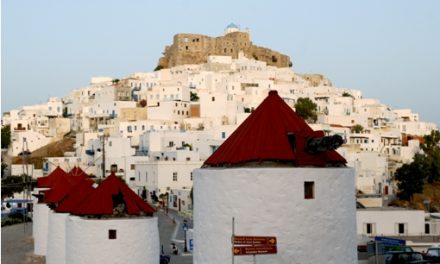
[17, 244]
[167, 230]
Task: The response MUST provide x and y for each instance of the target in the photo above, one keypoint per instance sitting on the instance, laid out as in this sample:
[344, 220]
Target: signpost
[254, 240]
[252, 245]
[255, 250]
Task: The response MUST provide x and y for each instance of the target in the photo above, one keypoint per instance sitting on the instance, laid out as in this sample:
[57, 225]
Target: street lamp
[185, 228]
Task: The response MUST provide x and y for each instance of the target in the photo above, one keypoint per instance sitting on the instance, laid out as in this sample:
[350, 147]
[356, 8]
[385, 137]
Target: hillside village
[154, 128]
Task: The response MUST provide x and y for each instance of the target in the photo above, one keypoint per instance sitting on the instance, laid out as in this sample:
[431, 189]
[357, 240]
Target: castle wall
[195, 49]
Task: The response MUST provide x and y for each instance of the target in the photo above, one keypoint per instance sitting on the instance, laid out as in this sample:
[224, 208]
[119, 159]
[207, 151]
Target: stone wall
[195, 49]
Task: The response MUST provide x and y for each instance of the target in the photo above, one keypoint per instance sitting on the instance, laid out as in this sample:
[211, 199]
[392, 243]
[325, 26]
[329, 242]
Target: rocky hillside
[55, 149]
[431, 192]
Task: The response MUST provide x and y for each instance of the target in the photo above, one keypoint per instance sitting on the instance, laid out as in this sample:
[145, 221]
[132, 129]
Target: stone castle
[195, 49]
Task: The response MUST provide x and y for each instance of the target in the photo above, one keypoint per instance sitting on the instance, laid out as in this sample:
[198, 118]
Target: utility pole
[185, 228]
[103, 155]
[26, 185]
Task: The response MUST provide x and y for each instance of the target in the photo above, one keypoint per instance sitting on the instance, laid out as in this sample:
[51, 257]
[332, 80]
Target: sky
[390, 50]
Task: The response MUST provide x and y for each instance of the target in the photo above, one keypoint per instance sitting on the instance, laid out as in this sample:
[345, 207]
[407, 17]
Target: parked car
[433, 254]
[402, 257]
[399, 248]
[20, 213]
[164, 259]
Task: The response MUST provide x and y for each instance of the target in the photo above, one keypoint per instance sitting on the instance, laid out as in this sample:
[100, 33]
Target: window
[401, 228]
[309, 192]
[112, 234]
[369, 228]
[129, 129]
[213, 99]
[132, 178]
[433, 252]
[223, 134]
[146, 176]
[427, 228]
[191, 176]
[139, 176]
[114, 168]
[174, 176]
[131, 166]
[109, 143]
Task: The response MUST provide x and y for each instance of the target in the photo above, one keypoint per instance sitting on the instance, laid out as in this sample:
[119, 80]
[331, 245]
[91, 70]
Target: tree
[14, 184]
[158, 68]
[431, 150]
[194, 97]
[306, 109]
[424, 168]
[6, 136]
[410, 178]
[357, 129]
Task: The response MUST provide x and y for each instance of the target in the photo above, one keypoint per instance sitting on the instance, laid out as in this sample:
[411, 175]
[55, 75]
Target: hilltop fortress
[195, 49]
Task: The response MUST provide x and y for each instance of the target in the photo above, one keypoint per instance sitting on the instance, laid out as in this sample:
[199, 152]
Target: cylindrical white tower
[277, 178]
[56, 241]
[40, 227]
[273, 202]
[113, 240]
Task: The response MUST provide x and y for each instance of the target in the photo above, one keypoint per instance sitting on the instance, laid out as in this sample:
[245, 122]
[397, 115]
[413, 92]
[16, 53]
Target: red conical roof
[61, 183]
[77, 175]
[58, 190]
[77, 171]
[52, 178]
[100, 201]
[75, 196]
[263, 136]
